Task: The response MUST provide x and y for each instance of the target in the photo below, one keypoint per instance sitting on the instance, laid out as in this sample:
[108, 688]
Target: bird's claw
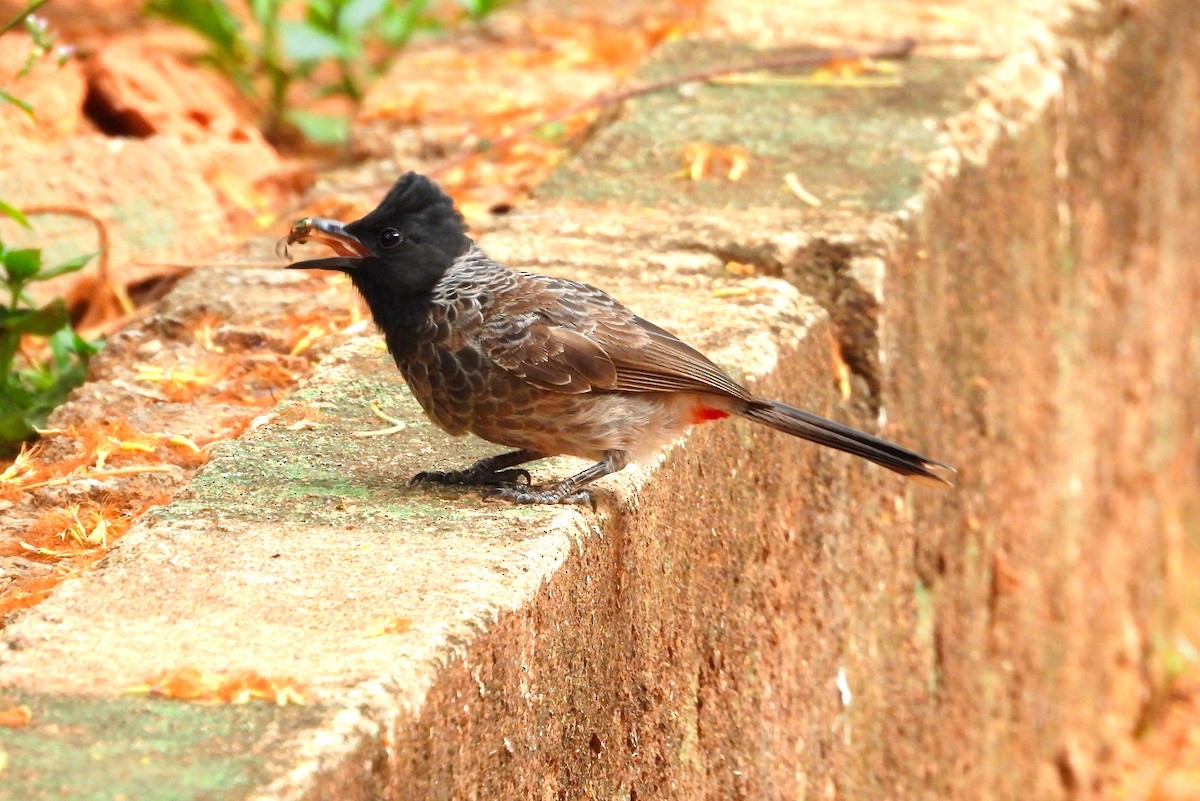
[515, 493]
[513, 484]
[430, 477]
[517, 474]
[474, 476]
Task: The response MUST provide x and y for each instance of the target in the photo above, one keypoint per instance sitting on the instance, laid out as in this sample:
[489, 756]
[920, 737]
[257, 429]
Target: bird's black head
[396, 253]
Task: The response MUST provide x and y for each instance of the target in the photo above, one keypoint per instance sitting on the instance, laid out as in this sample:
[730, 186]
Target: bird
[543, 365]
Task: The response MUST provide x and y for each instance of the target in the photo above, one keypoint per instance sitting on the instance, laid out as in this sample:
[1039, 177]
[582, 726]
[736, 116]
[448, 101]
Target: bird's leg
[492, 470]
[569, 490]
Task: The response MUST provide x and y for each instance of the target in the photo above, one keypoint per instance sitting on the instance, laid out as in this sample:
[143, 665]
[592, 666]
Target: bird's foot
[475, 475]
[516, 493]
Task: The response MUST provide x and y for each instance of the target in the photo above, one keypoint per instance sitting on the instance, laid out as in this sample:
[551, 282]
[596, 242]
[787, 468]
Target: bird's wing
[663, 362]
[577, 338]
[549, 356]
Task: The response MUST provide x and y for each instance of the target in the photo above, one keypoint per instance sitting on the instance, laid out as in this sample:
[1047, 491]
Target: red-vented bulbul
[544, 365]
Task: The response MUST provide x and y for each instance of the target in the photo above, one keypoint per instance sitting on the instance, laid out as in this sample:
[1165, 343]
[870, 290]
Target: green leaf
[212, 19]
[40, 322]
[478, 9]
[29, 395]
[355, 14]
[266, 12]
[323, 129]
[18, 102]
[14, 213]
[21, 264]
[322, 14]
[15, 427]
[303, 42]
[44, 387]
[68, 266]
[400, 21]
[66, 345]
[53, 386]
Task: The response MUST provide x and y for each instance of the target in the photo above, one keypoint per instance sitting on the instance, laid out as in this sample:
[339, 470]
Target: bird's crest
[413, 195]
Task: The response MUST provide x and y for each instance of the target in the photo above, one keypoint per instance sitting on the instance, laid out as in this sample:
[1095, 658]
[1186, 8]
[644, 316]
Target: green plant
[31, 386]
[338, 45]
[42, 43]
[478, 9]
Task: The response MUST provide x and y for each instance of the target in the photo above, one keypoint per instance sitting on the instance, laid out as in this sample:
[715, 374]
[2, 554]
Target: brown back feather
[577, 338]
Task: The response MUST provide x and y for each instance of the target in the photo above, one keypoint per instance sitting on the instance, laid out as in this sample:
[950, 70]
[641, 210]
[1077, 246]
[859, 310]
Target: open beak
[328, 232]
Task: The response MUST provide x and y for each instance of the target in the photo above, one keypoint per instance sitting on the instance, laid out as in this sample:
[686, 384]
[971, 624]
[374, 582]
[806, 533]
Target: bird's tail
[813, 428]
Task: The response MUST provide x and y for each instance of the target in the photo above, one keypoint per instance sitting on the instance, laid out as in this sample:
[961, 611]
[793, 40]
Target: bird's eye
[390, 237]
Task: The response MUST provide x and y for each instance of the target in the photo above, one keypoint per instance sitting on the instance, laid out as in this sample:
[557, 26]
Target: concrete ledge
[227, 578]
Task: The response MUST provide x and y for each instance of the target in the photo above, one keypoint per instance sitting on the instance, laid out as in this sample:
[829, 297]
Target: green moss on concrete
[857, 148]
[326, 475]
[141, 748]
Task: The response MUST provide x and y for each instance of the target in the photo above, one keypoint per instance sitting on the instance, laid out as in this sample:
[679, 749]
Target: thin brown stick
[899, 49]
[82, 213]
